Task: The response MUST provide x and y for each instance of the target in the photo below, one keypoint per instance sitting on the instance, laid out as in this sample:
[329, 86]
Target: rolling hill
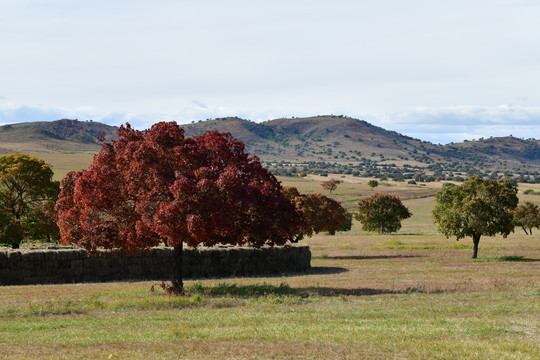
[337, 140]
[344, 140]
[56, 136]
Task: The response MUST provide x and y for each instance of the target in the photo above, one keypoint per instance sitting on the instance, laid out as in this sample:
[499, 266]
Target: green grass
[448, 325]
[409, 295]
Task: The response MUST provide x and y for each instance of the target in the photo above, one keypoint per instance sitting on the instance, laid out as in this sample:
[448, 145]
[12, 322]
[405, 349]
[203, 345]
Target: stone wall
[37, 266]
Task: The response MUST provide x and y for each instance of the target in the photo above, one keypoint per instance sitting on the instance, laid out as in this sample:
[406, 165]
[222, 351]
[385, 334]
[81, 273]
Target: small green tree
[373, 184]
[475, 208]
[27, 196]
[527, 216]
[382, 213]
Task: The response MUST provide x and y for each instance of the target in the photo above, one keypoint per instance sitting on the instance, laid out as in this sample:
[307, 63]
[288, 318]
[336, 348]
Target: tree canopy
[475, 208]
[157, 185]
[382, 213]
[373, 184]
[27, 195]
[319, 213]
[331, 184]
[527, 216]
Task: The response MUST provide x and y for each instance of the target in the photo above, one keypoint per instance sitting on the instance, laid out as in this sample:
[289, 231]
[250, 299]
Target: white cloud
[454, 124]
[406, 66]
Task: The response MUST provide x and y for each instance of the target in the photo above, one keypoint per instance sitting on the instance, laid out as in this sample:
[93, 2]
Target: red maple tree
[158, 186]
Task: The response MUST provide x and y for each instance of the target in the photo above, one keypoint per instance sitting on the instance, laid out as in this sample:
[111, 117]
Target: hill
[56, 136]
[326, 143]
[344, 140]
[337, 139]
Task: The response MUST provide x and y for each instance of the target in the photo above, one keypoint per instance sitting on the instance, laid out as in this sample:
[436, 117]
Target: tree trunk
[476, 240]
[177, 281]
[523, 227]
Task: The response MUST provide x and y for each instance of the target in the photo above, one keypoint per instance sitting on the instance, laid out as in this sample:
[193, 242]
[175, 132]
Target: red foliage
[67, 214]
[156, 185]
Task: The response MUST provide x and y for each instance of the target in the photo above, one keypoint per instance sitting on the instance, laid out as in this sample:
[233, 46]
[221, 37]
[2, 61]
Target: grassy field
[62, 163]
[409, 295]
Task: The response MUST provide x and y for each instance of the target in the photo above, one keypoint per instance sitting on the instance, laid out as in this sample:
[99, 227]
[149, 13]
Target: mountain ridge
[324, 138]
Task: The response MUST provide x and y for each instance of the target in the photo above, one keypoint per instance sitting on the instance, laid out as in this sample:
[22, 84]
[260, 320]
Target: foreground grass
[408, 295]
[134, 324]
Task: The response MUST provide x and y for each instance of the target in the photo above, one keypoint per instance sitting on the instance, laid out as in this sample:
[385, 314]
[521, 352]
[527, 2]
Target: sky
[438, 71]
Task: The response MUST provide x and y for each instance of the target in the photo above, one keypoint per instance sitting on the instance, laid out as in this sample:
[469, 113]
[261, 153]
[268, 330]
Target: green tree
[373, 184]
[475, 208]
[27, 196]
[382, 213]
[527, 216]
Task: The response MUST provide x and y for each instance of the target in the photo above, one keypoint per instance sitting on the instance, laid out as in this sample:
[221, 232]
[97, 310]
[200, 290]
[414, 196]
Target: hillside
[336, 139]
[320, 142]
[343, 140]
[56, 136]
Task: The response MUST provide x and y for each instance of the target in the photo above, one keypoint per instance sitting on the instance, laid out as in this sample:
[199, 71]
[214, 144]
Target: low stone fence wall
[37, 266]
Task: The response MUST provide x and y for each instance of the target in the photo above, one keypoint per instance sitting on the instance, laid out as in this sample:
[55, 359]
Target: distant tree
[331, 184]
[373, 184]
[527, 216]
[319, 213]
[475, 208]
[27, 194]
[382, 213]
[157, 185]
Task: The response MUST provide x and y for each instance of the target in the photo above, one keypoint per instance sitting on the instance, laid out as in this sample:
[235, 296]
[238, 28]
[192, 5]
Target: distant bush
[531, 192]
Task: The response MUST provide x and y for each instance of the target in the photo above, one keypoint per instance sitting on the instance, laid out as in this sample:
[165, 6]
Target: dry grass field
[409, 295]
[62, 163]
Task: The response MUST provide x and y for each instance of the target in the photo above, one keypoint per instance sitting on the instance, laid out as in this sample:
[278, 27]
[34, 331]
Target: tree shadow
[404, 234]
[326, 270]
[332, 292]
[314, 270]
[256, 290]
[370, 257]
[506, 258]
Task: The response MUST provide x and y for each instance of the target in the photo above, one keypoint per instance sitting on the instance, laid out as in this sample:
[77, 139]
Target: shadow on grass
[257, 290]
[510, 258]
[325, 270]
[369, 257]
[331, 292]
[404, 234]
